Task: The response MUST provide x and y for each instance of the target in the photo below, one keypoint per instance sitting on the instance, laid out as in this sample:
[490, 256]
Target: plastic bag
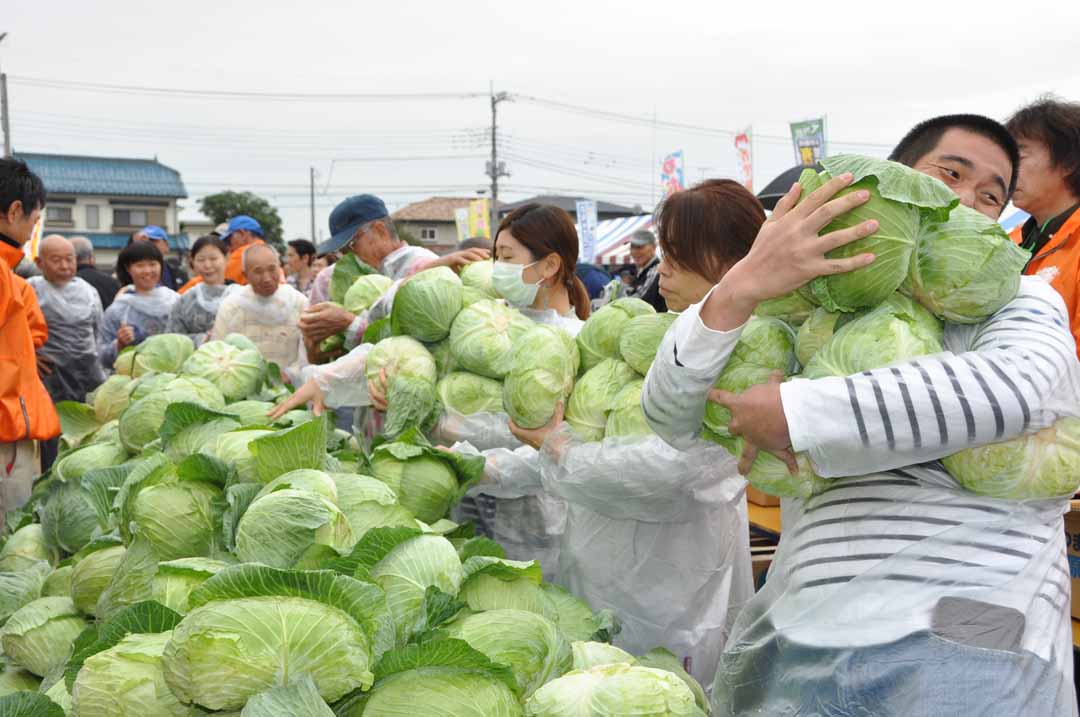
[73, 315]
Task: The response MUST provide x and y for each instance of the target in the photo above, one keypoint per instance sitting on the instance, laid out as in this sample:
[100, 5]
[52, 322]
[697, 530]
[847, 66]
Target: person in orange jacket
[1048, 134]
[242, 232]
[27, 413]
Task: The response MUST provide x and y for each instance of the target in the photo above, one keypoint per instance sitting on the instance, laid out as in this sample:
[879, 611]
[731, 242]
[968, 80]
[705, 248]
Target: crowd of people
[894, 592]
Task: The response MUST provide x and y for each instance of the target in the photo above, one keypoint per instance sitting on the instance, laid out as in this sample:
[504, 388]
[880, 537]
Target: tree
[223, 206]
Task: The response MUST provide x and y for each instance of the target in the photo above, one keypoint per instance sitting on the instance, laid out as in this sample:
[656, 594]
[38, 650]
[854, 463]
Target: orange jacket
[234, 268]
[26, 411]
[1059, 263]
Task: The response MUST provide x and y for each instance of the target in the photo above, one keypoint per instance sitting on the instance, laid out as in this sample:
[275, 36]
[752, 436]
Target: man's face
[372, 244]
[973, 166]
[261, 271]
[642, 255]
[57, 261]
[293, 262]
[19, 226]
[1039, 178]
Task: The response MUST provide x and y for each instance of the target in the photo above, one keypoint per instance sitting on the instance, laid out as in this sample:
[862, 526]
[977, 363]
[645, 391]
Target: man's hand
[535, 437]
[377, 388]
[459, 259]
[322, 321]
[44, 365]
[309, 393]
[124, 337]
[757, 416]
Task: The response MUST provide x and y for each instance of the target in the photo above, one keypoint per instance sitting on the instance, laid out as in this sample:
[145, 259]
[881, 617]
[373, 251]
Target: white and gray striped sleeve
[686, 366]
[1015, 373]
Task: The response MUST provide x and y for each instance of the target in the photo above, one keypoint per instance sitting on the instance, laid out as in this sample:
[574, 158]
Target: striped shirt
[871, 559]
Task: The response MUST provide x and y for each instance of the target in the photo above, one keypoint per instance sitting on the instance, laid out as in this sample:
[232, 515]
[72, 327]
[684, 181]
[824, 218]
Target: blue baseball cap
[349, 216]
[154, 233]
[242, 222]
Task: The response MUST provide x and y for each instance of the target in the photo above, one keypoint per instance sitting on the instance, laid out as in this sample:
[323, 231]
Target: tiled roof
[73, 174]
[104, 240]
[434, 209]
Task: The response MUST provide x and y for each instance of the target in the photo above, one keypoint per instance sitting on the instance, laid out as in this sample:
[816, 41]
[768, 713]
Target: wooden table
[767, 519]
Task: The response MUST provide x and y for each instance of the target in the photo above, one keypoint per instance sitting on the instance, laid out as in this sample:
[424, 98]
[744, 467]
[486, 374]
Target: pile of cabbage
[936, 261]
[187, 555]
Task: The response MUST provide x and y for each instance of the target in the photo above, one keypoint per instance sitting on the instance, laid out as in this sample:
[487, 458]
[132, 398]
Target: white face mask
[507, 280]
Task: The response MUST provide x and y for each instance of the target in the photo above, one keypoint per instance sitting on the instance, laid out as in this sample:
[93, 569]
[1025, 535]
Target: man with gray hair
[646, 285]
[87, 270]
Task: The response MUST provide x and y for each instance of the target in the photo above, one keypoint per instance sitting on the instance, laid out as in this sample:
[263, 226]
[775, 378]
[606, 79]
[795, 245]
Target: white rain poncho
[269, 321]
[74, 316]
[658, 535]
[196, 310]
[147, 313]
[896, 591]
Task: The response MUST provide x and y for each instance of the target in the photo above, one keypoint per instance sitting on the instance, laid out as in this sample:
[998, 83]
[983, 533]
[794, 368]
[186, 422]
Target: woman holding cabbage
[903, 585]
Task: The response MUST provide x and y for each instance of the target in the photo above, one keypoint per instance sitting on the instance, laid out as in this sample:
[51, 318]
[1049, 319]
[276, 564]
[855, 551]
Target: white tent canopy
[613, 238]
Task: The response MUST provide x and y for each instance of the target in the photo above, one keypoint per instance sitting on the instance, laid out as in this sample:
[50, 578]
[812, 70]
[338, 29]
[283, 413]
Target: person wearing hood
[142, 311]
[173, 275]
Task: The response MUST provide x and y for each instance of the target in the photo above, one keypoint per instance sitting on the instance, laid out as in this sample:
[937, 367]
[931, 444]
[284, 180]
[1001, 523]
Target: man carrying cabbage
[912, 587]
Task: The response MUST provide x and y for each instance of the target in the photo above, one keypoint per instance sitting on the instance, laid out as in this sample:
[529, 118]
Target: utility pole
[5, 125]
[495, 168]
[313, 206]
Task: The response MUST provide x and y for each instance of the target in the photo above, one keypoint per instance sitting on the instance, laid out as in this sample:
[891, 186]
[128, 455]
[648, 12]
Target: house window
[59, 215]
[93, 221]
[428, 234]
[130, 218]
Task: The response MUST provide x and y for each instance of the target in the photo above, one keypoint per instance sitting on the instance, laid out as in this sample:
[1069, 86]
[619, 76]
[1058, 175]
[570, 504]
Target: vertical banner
[671, 174]
[461, 219]
[744, 151]
[808, 137]
[33, 247]
[586, 217]
[479, 222]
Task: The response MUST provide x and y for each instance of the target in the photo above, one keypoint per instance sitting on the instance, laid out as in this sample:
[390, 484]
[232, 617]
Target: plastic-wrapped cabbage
[411, 375]
[467, 393]
[365, 291]
[93, 569]
[531, 645]
[1045, 464]
[793, 309]
[477, 276]
[249, 623]
[594, 397]
[236, 372]
[111, 398]
[161, 353]
[626, 418]
[426, 304]
[25, 547]
[614, 690]
[483, 337]
[126, 680]
[816, 331]
[233, 449]
[38, 636]
[965, 268]
[599, 337]
[766, 346]
[897, 330]
[641, 338]
[899, 197]
[541, 375]
[427, 481]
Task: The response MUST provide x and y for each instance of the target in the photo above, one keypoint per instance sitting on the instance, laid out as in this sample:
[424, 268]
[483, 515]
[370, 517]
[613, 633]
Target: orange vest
[1059, 263]
[26, 410]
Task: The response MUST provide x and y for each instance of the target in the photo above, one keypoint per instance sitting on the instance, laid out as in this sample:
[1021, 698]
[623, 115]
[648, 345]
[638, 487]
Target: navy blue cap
[242, 222]
[154, 233]
[349, 216]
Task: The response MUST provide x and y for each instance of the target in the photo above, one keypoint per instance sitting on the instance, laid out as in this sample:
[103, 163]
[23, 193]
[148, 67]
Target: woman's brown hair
[709, 227]
[544, 229]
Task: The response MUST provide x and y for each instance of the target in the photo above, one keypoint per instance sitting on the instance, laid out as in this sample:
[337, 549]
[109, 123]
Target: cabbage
[38, 636]
[965, 268]
[541, 375]
[250, 413]
[599, 337]
[59, 694]
[426, 481]
[816, 331]
[499, 584]
[252, 627]
[528, 643]
[626, 418]
[1045, 464]
[126, 680]
[233, 449]
[141, 421]
[793, 309]
[58, 582]
[162, 353]
[288, 528]
[588, 654]
[111, 397]
[25, 547]
[68, 518]
[898, 193]
[770, 475]
[483, 337]
[641, 338]
[148, 384]
[897, 330]
[299, 698]
[236, 372]
[614, 690]
[175, 579]
[92, 570]
[467, 393]
[369, 503]
[411, 375]
[425, 305]
[445, 363]
[477, 276]
[594, 397]
[364, 292]
[17, 588]
[96, 455]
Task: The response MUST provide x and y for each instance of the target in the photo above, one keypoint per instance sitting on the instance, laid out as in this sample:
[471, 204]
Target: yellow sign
[479, 219]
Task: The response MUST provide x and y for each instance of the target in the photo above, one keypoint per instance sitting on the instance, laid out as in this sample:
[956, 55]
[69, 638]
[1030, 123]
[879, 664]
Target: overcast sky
[873, 69]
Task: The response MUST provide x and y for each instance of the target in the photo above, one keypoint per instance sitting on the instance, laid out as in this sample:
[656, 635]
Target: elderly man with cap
[362, 225]
[173, 275]
[646, 285]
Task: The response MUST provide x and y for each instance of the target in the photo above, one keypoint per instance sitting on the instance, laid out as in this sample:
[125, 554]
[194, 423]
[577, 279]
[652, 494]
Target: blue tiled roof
[72, 174]
[102, 240]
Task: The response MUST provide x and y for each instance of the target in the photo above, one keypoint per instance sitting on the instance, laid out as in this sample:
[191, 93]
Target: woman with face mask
[141, 312]
[196, 310]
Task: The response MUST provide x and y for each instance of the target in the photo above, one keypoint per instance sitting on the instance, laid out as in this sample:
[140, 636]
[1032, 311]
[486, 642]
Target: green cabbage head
[641, 338]
[126, 680]
[626, 418]
[816, 331]
[793, 309]
[162, 353]
[614, 690]
[466, 393]
[411, 374]
[93, 569]
[541, 374]
[236, 372]
[38, 637]
[426, 304]
[483, 337]
[111, 398]
[24, 548]
[477, 276]
[594, 397]
[599, 337]
[365, 291]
